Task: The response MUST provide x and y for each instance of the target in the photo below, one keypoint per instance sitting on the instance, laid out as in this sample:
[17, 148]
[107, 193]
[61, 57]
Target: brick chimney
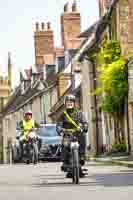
[70, 26]
[44, 44]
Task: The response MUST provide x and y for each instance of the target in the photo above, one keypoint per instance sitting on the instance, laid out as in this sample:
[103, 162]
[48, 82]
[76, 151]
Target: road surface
[45, 181]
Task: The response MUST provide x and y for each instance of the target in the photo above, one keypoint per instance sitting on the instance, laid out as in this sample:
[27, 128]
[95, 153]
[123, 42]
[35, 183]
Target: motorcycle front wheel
[35, 153]
[75, 166]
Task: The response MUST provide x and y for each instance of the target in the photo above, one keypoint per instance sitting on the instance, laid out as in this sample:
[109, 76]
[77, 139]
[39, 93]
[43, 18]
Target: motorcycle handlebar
[33, 129]
[63, 131]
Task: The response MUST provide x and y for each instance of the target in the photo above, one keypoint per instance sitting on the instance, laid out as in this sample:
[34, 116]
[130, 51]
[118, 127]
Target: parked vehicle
[50, 143]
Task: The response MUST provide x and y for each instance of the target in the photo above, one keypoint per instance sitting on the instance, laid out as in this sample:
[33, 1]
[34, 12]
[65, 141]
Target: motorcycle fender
[74, 145]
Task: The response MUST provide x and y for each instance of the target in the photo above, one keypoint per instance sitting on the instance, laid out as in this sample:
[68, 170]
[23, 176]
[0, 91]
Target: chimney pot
[37, 26]
[43, 26]
[48, 25]
[74, 6]
[66, 7]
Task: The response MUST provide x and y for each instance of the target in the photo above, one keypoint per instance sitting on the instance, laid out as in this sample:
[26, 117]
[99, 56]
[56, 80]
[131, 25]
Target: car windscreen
[48, 131]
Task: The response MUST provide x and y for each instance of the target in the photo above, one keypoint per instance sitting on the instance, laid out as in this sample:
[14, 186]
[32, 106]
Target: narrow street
[46, 181]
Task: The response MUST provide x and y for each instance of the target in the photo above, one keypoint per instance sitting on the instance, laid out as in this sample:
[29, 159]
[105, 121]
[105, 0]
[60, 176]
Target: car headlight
[45, 146]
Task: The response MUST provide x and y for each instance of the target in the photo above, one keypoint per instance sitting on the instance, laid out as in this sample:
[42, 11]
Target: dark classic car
[50, 142]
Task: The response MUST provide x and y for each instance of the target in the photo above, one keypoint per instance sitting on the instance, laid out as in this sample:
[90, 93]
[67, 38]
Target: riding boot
[81, 174]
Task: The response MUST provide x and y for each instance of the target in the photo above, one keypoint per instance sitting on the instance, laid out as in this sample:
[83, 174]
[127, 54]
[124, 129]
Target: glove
[80, 130]
[85, 128]
[59, 130]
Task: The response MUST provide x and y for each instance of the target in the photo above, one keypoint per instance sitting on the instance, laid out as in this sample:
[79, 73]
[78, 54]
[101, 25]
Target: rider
[26, 124]
[71, 121]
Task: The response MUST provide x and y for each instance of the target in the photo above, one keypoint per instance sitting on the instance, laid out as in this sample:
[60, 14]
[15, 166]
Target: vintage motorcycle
[71, 145]
[30, 147]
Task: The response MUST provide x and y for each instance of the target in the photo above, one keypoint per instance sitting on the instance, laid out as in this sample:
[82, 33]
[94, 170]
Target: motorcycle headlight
[66, 142]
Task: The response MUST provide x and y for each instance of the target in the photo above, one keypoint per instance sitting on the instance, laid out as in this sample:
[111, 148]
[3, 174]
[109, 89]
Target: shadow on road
[121, 179]
[113, 180]
[58, 184]
[97, 164]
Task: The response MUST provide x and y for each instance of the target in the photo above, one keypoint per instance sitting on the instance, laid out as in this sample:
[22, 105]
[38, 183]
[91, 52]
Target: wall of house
[130, 102]
[46, 104]
[9, 134]
[36, 109]
[88, 102]
[122, 24]
[130, 27]
[119, 28]
[53, 96]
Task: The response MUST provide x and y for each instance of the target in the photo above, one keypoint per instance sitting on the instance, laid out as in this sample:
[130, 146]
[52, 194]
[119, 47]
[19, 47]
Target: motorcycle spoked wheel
[75, 166]
[34, 153]
[28, 157]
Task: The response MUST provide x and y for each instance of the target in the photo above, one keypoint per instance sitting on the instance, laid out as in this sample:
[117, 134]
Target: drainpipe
[72, 77]
[127, 112]
[95, 106]
[128, 132]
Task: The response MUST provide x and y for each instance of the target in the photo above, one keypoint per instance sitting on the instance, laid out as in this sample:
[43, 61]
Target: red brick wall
[70, 27]
[44, 43]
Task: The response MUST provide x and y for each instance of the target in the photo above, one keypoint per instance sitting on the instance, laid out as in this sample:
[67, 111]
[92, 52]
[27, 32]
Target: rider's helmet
[27, 113]
[69, 97]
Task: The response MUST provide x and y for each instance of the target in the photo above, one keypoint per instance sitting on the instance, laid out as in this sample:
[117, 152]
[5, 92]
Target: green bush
[113, 77]
[117, 147]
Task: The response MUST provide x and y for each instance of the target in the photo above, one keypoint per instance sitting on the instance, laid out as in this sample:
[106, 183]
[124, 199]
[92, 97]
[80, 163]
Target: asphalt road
[45, 181]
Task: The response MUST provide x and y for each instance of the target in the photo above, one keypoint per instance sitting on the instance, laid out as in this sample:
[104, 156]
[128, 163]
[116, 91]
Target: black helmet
[69, 97]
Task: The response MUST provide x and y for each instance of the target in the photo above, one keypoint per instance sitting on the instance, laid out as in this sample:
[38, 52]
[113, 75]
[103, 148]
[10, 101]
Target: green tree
[113, 79]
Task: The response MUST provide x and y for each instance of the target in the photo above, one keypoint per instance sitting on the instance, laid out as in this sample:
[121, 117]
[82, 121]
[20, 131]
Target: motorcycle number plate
[74, 144]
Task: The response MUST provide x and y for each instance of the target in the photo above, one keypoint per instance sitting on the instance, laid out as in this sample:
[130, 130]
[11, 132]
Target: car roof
[46, 125]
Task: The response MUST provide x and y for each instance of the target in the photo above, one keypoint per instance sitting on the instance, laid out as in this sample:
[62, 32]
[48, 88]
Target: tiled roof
[89, 31]
[98, 29]
[28, 73]
[60, 102]
[17, 100]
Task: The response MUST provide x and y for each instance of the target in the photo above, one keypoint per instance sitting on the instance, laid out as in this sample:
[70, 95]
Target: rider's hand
[80, 129]
[59, 129]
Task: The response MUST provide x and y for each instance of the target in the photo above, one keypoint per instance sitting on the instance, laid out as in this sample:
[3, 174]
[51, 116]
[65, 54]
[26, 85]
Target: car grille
[50, 150]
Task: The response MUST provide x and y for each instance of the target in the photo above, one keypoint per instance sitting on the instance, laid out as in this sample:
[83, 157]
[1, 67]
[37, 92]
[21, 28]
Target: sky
[17, 20]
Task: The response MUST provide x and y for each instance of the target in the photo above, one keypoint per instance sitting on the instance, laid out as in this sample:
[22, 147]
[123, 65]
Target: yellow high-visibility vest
[71, 120]
[27, 125]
